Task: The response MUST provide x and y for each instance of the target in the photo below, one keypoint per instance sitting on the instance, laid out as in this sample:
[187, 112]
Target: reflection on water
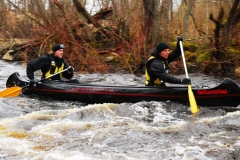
[39, 128]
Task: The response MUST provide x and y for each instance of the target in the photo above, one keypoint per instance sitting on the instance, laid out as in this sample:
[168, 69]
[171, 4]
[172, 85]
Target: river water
[37, 128]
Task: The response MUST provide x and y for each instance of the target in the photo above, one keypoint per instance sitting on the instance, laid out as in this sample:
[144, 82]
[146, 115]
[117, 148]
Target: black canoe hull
[227, 93]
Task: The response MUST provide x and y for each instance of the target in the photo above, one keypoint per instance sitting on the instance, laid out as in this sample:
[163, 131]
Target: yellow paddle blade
[193, 104]
[11, 92]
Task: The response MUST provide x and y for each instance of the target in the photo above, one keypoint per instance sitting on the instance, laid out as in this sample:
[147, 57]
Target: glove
[32, 83]
[186, 81]
[70, 69]
[179, 38]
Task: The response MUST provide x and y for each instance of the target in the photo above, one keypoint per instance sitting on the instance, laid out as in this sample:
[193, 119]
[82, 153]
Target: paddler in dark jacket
[157, 66]
[49, 65]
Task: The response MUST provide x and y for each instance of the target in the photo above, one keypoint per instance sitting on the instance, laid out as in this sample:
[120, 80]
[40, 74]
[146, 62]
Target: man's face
[59, 53]
[164, 53]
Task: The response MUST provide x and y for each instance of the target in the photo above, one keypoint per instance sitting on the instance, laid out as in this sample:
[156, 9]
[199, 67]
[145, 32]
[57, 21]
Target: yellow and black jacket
[157, 69]
[48, 65]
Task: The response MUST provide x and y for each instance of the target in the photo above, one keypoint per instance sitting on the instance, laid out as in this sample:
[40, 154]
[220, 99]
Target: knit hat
[161, 46]
[56, 47]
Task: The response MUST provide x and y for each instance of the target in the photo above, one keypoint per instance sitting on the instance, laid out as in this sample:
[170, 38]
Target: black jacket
[156, 68]
[44, 64]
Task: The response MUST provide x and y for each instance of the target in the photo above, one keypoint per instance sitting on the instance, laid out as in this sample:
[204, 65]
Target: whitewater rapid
[37, 128]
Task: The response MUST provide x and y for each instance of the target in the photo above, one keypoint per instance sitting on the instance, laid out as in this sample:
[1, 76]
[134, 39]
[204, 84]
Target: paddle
[193, 104]
[15, 91]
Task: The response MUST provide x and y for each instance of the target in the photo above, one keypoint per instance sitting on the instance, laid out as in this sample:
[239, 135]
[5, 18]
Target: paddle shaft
[193, 104]
[15, 91]
[183, 58]
[48, 77]
[52, 75]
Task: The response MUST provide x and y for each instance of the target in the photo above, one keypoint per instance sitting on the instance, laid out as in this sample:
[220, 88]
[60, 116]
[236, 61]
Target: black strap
[52, 69]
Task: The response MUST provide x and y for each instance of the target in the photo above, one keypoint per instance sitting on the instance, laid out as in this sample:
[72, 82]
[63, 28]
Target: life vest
[53, 69]
[150, 81]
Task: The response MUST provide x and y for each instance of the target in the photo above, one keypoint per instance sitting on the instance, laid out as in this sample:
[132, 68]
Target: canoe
[227, 93]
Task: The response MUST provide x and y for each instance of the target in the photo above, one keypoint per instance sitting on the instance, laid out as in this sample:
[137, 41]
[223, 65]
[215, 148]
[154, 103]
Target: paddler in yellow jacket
[157, 66]
[49, 65]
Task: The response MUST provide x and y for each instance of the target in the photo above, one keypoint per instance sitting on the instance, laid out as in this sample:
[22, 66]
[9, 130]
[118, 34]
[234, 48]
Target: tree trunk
[233, 18]
[187, 14]
[165, 9]
[84, 12]
[67, 22]
[148, 9]
[217, 30]
[155, 31]
[3, 7]
[40, 7]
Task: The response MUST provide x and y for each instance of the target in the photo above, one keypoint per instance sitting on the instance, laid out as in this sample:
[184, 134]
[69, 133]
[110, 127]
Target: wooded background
[122, 33]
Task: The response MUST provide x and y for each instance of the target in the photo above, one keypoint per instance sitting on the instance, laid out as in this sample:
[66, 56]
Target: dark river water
[37, 128]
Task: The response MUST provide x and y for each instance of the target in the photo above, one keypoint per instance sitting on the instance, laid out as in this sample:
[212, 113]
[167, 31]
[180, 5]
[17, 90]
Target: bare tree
[232, 19]
[81, 9]
[187, 14]
[165, 9]
[3, 7]
[155, 31]
[148, 16]
[157, 17]
[219, 25]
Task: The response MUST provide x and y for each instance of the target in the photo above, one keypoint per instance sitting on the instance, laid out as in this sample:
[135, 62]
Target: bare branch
[84, 12]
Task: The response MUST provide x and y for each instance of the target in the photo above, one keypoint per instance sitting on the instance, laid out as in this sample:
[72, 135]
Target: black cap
[161, 46]
[56, 47]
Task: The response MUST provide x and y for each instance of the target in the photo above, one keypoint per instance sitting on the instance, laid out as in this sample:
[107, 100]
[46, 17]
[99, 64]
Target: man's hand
[186, 81]
[70, 69]
[179, 38]
[32, 83]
